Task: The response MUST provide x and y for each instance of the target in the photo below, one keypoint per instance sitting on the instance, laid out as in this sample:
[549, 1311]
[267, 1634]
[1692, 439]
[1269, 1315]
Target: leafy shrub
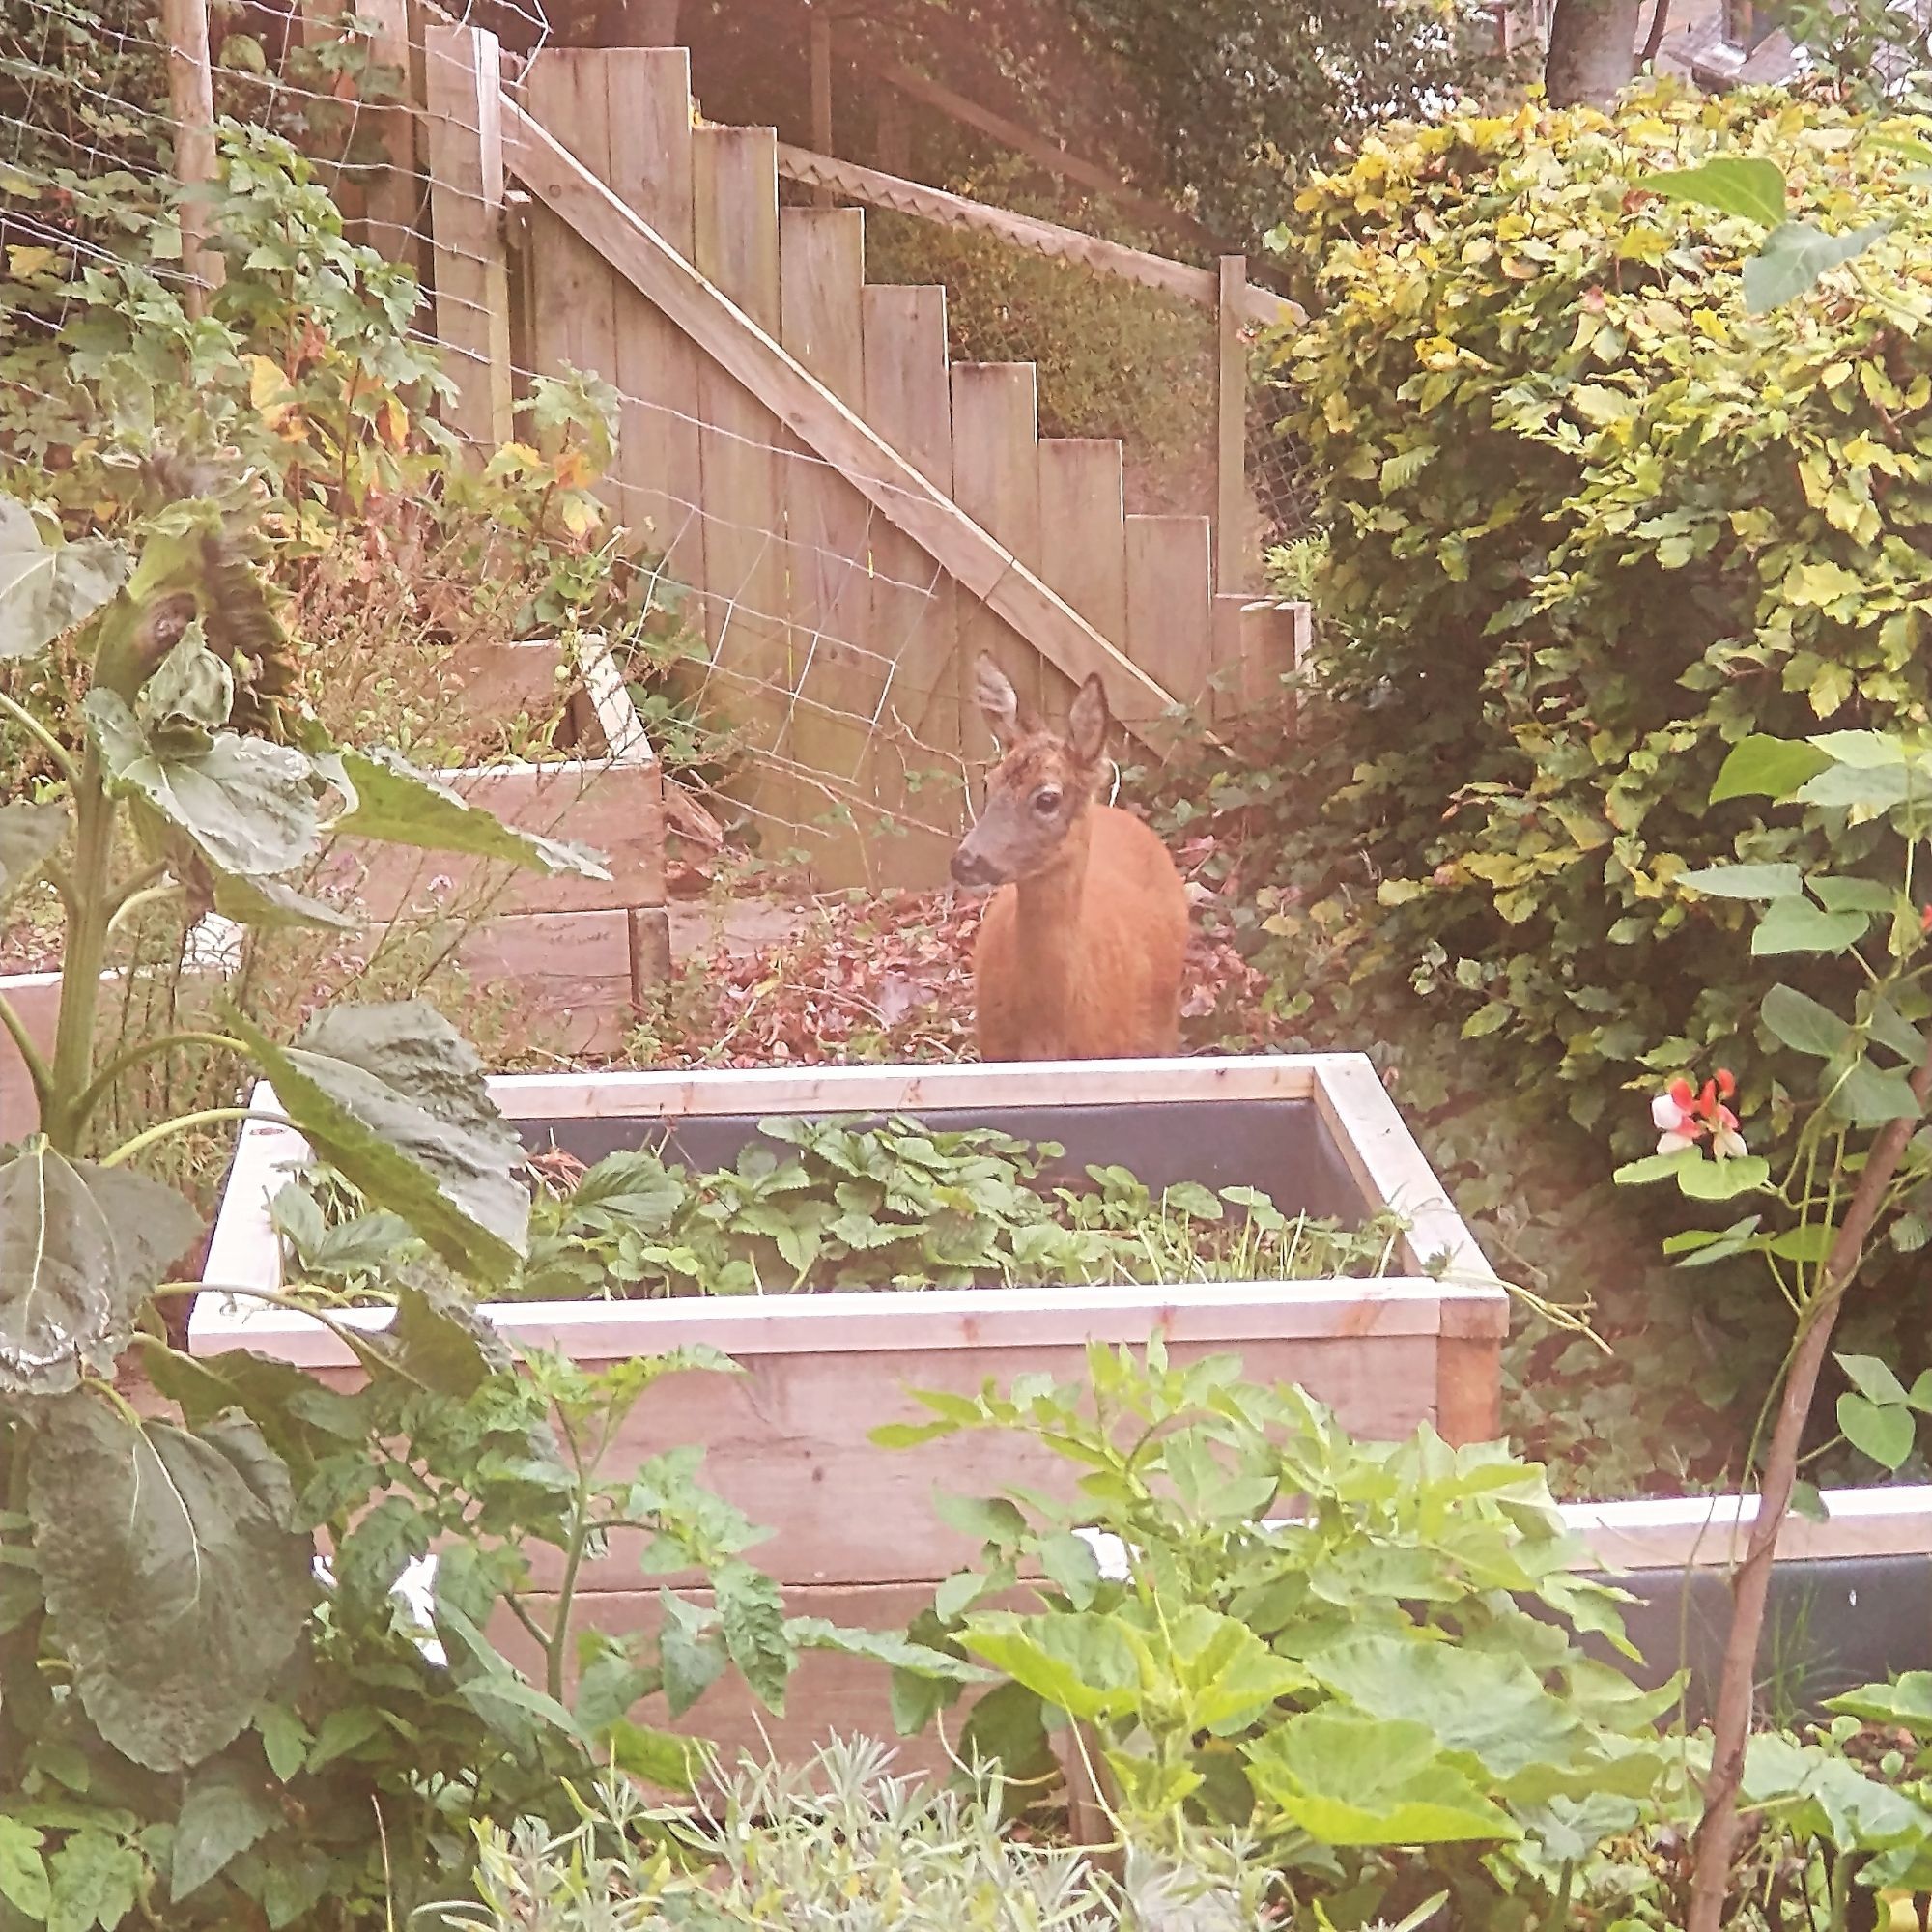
[1392, 1665]
[1114, 360]
[1589, 527]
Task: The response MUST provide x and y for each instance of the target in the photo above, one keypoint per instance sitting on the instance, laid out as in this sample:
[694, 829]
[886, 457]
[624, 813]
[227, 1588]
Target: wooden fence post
[1231, 459]
[821, 94]
[463, 75]
[395, 198]
[192, 101]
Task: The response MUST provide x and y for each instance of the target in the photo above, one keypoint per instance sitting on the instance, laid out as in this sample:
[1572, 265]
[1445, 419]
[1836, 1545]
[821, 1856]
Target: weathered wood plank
[658, 470]
[575, 320]
[914, 610]
[1231, 432]
[1082, 528]
[1170, 618]
[463, 92]
[392, 191]
[827, 523]
[996, 482]
[734, 339]
[736, 251]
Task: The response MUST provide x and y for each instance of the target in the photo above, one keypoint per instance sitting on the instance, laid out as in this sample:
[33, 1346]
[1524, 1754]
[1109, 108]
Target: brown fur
[1081, 951]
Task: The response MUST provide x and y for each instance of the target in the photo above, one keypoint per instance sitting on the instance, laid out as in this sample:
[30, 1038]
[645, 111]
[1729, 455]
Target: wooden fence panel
[1170, 617]
[996, 482]
[659, 475]
[735, 204]
[574, 324]
[463, 90]
[1082, 528]
[914, 613]
[842, 676]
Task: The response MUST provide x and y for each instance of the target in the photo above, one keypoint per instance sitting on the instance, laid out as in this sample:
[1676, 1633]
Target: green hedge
[1591, 524]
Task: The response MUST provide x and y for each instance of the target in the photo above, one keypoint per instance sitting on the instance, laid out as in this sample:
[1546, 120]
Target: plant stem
[86, 949]
[1717, 1841]
[180, 1123]
[34, 728]
[37, 1077]
[96, 1089]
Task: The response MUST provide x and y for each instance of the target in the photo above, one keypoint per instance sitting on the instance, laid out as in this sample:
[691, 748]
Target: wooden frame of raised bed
[787, 1442]
[586, 951]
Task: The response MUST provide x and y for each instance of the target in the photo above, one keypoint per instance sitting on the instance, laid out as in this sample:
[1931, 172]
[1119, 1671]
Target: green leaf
[1893, 1031]
[1797, 926]
[189, 686]
[750, 1611]
[247, 805]
[23, 1872]
[1728, 184]
[179, 1590]
[1744, 882]
[437, 1339]
[224, 1813]
[1070, 1562]
[1764, 767]
[270, 904]
[398, 805]
[1810, 1244]
[887, 1647]
[30, 834]
[1722, 1179]
[1487, 1703]
[1349, 1779]
[984, 1519]
[1880, 1430]
[909, 1434]
[48, 588]
[661, 1759]
[1803, 1024]
[96, 1880]
[1080, 1663]
[1872, 1379]
[81, 1247]
[393, 1097]
[1837, 895]
[1794, 256]
[691, 1652]
[1656, 1167]
[1868, 1096]
[285, 1740]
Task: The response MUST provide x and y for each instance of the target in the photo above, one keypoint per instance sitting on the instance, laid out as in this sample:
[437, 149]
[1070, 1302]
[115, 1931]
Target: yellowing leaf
[393, 421]
[23, 263]
[269, 390]
[580, 514]
[1819, 583]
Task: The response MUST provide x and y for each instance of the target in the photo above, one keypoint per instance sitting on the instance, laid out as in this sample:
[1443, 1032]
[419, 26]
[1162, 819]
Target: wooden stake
[464, 117]
[192, 102]
[821, 94]
[1231, 458]
[395, 198]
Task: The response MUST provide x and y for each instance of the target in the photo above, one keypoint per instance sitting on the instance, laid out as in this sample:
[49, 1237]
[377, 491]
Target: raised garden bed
[580, 951]
[855, 1534]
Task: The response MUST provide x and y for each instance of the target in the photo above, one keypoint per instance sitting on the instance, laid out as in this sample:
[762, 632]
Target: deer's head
[1040, 792]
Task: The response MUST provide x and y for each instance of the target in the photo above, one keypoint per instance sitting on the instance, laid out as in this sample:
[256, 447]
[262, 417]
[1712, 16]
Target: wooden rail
[1200, 286]
[753, 357]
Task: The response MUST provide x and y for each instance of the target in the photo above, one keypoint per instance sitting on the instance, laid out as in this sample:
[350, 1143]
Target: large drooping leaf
[1728, 184]
[249, 806]
[1760, 766]
[1490, 1705]
[267, 902]
[399, 804]
[437, 1338]
[80, 1248]
[224, 1813]
[176, 1586]
[47, 588]
[1084, 1663]
[392, 1096]
[1347, 1778]
[29, 837]
[1795, 255]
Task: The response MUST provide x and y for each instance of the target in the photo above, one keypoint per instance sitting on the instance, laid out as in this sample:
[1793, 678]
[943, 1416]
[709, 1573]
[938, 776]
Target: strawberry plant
[827, 1203]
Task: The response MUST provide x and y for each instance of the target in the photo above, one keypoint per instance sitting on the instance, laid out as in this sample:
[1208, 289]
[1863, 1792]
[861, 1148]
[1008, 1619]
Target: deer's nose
[970, 869]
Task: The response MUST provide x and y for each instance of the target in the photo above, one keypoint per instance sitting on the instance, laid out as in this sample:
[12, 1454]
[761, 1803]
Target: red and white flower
[1684, 1115]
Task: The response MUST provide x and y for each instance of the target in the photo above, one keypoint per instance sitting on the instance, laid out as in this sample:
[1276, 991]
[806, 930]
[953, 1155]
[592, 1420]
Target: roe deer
[1080, 953]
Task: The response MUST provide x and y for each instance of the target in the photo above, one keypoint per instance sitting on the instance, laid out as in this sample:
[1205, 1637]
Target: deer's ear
[1088, 722]
[998, 700]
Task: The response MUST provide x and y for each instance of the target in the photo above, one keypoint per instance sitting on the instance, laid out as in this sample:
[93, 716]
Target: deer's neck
[1049, 947]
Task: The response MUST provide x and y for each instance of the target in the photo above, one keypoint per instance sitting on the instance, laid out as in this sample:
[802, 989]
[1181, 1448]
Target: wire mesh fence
[801, 661]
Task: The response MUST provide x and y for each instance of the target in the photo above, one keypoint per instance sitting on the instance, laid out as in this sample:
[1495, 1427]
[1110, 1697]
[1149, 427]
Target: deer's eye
[1046, 801]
